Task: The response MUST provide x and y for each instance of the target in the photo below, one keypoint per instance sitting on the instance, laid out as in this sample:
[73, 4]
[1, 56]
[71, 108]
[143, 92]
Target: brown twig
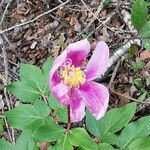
[117, 93]
[69, 118]
[92, 20]
[102, 22]
[8, 100]
[114, 74]
[11, 62]
[5, 64]
[100, 26]
[128, 97]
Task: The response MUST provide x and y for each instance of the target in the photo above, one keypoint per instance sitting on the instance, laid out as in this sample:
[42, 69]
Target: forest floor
[31, 31]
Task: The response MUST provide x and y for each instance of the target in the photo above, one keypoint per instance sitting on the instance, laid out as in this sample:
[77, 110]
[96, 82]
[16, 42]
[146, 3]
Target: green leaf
[26, 115]
[5, 145]
[140, 144]
[113, 121]
[106, 2]
[62, 114]
[145, 35]
[33, 84]
[133, 131]
[54, 104]
[36, 77]
[47, 66]
[45, 77]
[1, 126]
[110, 138]
[137, 65]
[23, 91]
[92, 124]
[139, 14]
[26, 142]
[133, 50]
[142, 96]
[31, 75]
[42, 108]
[81, 148]
[63, 144]
[137, 82]
[61, 40]
[79, 137]
[50, 131]
[105, 146]
[61, 111]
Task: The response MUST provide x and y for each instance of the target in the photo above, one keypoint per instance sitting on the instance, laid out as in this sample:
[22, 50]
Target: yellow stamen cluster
[72, 76]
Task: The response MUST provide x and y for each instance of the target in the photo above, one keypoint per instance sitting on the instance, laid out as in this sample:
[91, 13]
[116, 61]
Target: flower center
[72, 76]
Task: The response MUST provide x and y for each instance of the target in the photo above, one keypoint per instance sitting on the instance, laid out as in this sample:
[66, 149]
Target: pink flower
[71, 81]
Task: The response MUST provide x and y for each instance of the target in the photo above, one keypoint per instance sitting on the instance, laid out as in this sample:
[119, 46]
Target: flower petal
[57, 63]
[96, 98]
[77, 106]
[60, 91]
[55, 84]
[78, 51]
[75, 51]
[98, 63]
[55, 80]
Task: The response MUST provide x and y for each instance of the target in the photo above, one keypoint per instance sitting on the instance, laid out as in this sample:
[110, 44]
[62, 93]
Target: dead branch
[122, 51]
[92, 20]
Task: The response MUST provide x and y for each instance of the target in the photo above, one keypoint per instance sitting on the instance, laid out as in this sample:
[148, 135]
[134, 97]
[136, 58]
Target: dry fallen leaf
[77, 27]
[30, 35]
[103, 13]
[105, 32]
[73, 21]
[144, 55]
[123, 100]
[45, 39]
[116, 21]
[55, 51]
[16, 16]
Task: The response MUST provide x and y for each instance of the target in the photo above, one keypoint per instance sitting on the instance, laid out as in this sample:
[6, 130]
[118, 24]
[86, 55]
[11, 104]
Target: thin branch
[3, 79]
[128, 97]
[60, 1]
[119, 94]
[122, 50]
[100, 20]
[5, 64]
[114, 74]
[7, 127]
[92, 20]
[101, 25]
[36, 18]
[10, 61]
[8, 101]
[2, 3]
[126, 47]
[3, 16]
